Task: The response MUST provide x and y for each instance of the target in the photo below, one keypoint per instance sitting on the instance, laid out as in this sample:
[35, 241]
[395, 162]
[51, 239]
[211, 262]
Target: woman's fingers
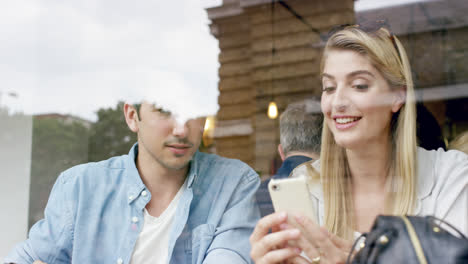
[270, 247]
[344, 246]
[309, 249]
[279, 255]
[319, 243]
[310, 230]
[287, 243]
[297, 260]
[341, 243]
[271, 242]
[265, 224]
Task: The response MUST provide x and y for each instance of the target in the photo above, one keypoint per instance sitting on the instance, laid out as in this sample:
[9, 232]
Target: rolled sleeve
[227, 256]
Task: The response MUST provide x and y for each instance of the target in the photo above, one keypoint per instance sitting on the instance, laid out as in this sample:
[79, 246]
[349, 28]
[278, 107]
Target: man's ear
[281, 152]
[399, 99]
[131, 117]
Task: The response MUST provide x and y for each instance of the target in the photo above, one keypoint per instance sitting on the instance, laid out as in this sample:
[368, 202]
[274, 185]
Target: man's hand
[39, 262]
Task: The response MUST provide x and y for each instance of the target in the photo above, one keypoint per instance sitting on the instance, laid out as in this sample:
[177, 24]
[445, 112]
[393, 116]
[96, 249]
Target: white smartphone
[292, 195]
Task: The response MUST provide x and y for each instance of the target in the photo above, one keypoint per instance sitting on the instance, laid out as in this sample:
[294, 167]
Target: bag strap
[433, 218]
[348, 260]
[414, 240]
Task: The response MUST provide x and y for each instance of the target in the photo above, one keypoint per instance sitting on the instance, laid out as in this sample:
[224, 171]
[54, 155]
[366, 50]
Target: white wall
[15, 165]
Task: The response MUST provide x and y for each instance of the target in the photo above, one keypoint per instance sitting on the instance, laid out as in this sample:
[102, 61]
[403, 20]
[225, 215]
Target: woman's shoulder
[440, 169]
[443, 186]
[306, 168]
[440, 153]
[441, 160]
[310, 170]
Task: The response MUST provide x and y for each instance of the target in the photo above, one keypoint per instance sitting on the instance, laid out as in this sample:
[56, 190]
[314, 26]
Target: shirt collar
[289, 164]
[137, 185]
[133, 176]
[194, 169]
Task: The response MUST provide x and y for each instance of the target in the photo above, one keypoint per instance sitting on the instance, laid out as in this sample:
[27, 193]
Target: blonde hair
[388, 56]
[460, 142]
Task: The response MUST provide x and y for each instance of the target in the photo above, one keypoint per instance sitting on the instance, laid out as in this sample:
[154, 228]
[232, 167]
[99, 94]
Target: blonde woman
[369, 162]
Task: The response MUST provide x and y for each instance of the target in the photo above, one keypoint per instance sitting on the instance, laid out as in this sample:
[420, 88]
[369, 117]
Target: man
[164, 202]
[300, 135]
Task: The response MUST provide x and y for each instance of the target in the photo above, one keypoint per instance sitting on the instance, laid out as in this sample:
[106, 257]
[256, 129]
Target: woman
[370, 163]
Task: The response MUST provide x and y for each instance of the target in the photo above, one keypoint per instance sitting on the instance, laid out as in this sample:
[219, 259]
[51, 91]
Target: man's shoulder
[95, 170]
[216, 161]
[215, 164]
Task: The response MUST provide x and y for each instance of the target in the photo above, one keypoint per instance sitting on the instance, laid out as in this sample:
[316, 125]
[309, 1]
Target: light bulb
[272, 110]
[208, 122]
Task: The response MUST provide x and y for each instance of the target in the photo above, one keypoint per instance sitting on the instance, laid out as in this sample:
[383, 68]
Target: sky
[74, 57]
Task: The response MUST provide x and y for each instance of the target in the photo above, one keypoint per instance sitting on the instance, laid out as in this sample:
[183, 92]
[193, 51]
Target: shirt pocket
[202, 236]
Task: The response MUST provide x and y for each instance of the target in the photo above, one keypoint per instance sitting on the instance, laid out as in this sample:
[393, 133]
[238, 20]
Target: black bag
[411, 239]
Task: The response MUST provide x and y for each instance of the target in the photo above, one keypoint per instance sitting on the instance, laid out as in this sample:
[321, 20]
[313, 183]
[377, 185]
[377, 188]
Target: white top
[442, 187]
[153, 241]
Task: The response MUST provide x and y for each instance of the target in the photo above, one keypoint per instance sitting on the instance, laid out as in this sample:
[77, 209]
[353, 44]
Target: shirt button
[144, 193]
[119, 261]
[134, 219]
[130, 197]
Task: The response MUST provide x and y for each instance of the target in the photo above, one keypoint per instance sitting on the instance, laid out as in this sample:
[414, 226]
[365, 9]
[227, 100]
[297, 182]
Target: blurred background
[67, 68]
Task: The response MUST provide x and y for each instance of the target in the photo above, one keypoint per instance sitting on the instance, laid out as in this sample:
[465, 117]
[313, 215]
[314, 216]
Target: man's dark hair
[138, 107]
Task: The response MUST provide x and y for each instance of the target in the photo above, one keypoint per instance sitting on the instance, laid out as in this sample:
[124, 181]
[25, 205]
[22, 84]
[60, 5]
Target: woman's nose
[340, 100]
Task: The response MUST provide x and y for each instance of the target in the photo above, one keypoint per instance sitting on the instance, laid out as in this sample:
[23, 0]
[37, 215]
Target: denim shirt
[95, 214]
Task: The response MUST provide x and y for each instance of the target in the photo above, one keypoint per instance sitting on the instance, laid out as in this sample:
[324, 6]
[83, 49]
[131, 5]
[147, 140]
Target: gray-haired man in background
[300, 137]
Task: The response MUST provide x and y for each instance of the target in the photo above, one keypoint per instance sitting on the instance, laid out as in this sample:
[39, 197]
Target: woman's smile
[346, 122]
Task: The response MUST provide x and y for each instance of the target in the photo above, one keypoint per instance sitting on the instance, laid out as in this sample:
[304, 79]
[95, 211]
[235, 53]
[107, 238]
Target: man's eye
[163, 111]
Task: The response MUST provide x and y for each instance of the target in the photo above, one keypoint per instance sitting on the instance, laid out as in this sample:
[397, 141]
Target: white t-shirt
[153, 241]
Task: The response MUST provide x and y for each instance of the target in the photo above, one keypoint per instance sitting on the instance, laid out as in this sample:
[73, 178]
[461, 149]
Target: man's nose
[179, 130]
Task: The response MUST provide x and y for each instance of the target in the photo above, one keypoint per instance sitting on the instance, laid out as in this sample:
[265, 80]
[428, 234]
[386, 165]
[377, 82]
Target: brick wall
[250, 76]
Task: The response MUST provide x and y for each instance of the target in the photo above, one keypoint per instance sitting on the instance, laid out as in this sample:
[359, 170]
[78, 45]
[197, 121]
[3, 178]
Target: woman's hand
[318, 244]
[272, 247]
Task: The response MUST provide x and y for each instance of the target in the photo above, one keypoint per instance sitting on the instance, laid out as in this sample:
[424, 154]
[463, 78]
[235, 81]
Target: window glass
[67, 69]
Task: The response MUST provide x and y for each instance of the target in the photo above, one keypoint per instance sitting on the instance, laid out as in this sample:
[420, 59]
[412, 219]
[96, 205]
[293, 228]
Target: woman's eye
[361, 86]
[328, 89]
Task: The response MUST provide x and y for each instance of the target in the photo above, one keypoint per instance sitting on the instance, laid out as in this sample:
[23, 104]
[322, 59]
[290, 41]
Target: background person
[460, 142]
[369, 161]
[300, 132]
[428, 130]
[164, 202]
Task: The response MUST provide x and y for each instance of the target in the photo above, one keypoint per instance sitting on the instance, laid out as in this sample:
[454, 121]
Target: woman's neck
[369, 166]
